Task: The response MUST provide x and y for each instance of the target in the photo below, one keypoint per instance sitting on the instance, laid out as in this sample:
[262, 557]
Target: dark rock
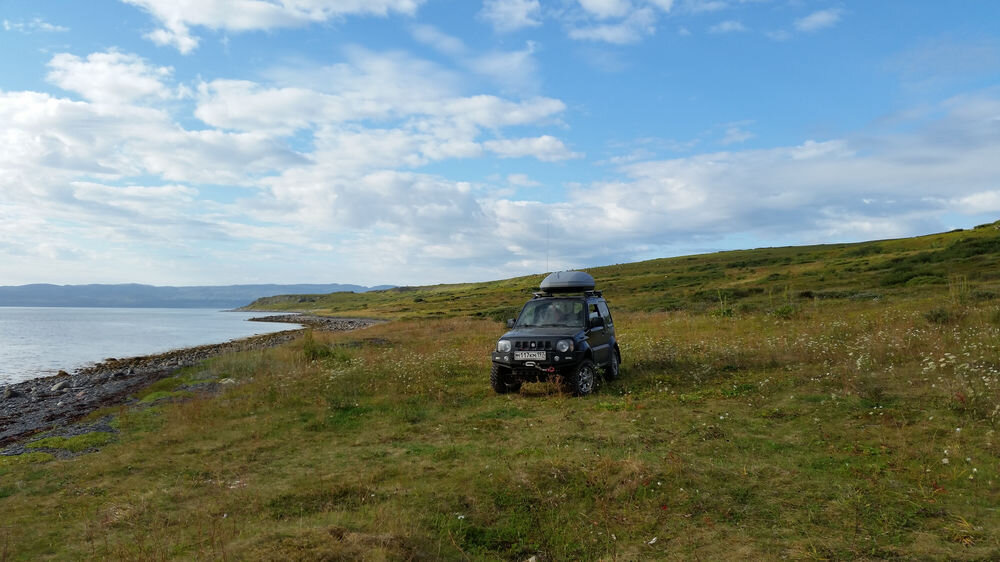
[48, 402]
[62, 374]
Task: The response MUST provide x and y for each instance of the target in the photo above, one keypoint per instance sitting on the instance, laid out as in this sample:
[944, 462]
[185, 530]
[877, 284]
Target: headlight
[562, 346]
[503, 346]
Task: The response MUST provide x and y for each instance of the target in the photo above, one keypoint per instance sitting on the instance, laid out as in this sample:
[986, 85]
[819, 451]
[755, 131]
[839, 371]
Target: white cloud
[178, 16]
[384, 87]
[977, 203]
[512, 70]
[447, 44]
[728, 26]
[703, 6]
[607, 8]
[418, 205]
[507, 16]
[665, 5]
[360, 128]
[32, 26]
[59, 138]
[818, 20]
[177, 36]
[931, 64]
[735, 135]
[816, 188]
[546, 148]
[110, 77]
[491, 111]
[522, 180]
[619, 22]
[816, 191]
[639, 24]
[76, 224]
[245, 105]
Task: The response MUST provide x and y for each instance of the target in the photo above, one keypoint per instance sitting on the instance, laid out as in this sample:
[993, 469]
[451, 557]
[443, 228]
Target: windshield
[552, 313]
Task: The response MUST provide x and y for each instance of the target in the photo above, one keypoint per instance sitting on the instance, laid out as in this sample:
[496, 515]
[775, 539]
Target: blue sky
[193, 142]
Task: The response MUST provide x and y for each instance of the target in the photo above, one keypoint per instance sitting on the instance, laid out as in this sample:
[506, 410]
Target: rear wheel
[502, 381]
[583, 378]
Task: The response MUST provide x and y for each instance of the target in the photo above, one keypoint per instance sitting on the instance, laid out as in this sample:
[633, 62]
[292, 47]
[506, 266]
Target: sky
[211, 142]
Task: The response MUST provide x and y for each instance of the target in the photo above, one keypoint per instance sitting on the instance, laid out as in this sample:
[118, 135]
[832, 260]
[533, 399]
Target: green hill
[824, 403]
[746, 280]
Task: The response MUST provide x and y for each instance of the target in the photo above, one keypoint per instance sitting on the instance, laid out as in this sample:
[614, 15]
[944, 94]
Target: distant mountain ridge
[149, 296]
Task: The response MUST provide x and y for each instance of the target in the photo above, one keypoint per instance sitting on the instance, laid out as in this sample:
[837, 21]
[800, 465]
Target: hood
[529, 333]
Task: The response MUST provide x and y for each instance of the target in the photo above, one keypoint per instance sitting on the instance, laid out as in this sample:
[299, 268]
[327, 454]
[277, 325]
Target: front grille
[528, 345]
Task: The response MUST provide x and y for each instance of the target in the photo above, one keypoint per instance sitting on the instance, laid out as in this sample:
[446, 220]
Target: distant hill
[956, 265]
[148, 296]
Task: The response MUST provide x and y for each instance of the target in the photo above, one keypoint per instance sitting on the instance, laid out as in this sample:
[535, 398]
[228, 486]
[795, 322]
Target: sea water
[40, 341]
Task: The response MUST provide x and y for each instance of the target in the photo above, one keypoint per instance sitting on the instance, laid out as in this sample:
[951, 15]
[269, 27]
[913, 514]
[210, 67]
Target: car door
[598, 336]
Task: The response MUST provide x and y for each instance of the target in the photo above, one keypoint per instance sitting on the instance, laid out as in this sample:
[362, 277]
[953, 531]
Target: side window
[594, 313]
[603, 307]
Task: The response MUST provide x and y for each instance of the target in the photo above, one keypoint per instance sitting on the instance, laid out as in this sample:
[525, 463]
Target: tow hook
[542, 369]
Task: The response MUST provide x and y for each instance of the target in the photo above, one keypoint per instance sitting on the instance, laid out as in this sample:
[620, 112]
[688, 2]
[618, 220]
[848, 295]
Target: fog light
[557, 357]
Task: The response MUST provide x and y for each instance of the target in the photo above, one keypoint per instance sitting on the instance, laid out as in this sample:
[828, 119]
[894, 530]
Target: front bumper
[553, 364]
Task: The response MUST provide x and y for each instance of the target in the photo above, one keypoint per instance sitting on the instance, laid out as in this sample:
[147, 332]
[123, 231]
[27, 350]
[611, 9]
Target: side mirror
[597, 322]
[510, 323]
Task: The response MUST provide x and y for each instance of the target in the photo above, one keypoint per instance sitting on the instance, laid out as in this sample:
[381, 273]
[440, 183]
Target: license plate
[529, 355]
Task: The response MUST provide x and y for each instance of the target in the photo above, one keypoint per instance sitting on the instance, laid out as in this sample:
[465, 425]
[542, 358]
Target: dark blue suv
[565, 331]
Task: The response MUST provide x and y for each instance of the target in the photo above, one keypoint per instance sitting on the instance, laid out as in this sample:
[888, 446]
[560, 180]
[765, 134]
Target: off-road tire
[612, 371]
[502, 381]
[583, 379]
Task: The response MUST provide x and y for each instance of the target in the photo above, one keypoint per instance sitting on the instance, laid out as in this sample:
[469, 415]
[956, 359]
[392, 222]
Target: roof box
[567, 282]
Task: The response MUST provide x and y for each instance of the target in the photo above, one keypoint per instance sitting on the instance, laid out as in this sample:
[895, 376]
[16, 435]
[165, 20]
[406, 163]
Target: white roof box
[567, 282]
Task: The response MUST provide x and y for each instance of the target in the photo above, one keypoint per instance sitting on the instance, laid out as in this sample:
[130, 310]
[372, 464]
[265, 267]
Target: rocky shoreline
[38, 404]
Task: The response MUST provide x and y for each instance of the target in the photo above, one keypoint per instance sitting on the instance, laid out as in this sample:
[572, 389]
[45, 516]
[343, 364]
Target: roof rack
[544, 294]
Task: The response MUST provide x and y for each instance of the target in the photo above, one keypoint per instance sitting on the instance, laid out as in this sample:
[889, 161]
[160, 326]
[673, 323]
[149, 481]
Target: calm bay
[39, 341]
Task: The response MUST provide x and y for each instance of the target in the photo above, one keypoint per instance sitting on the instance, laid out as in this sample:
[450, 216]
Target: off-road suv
[565, 331]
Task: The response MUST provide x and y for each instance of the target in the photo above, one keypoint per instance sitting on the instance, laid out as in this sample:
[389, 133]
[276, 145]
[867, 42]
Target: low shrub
[941, 315]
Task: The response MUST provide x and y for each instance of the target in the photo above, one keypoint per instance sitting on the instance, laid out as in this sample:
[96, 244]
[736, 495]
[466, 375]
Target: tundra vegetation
[828, 402]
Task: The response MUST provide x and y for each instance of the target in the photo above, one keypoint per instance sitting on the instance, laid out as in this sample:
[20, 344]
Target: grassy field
[798, 403]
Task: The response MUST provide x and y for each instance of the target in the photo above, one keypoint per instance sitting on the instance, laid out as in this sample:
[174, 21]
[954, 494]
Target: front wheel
[502, 381]
[582, 380]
